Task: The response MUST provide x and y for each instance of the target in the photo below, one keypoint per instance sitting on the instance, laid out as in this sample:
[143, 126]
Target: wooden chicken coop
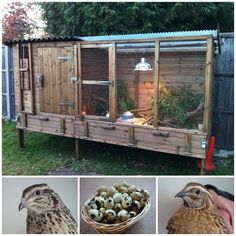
[148, 91]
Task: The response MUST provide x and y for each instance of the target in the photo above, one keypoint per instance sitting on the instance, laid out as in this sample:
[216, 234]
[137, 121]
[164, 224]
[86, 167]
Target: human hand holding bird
[198, 214]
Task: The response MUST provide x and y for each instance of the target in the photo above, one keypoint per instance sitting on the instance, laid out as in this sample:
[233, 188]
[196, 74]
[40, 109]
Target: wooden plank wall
[223, 95]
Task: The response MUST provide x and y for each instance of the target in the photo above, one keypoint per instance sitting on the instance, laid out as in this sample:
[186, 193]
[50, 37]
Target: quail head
[46, 213]
[198, 214]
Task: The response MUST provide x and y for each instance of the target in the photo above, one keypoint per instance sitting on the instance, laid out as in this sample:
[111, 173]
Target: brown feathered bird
[46, 213]
[198, 214]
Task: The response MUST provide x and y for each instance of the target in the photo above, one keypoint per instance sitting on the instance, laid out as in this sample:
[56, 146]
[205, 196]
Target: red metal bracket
[209, 165]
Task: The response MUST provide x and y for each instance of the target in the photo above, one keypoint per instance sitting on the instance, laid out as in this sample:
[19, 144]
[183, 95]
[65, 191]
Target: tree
[105, 18]
[16, 23]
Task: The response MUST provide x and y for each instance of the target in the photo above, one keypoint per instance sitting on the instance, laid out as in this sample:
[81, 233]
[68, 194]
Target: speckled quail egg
[110, 215]
[118, 207]
[99, 201]
[132, 213]
[125, 195]
[90, 205]
[136, 196]
[131, 189]
[116, 186]
[145, 193]
[103, 210]
[95, 214]
[102, 188]
[122, 189]
[104, 195]
[126, 201]
[117, 197]
[111, 191]
[135, 206]
[123, 215]
[142, 203]
[109, 203]
[125, 184]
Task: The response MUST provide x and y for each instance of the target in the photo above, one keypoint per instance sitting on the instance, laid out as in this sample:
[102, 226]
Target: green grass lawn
[43, 153]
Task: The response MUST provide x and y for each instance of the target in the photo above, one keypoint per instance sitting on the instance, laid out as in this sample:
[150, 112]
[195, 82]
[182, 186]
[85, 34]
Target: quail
[46, 213]
[198, 214]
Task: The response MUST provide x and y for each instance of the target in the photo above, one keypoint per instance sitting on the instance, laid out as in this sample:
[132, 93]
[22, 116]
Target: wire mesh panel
[181, 89]
[95, 80]
[134, 85]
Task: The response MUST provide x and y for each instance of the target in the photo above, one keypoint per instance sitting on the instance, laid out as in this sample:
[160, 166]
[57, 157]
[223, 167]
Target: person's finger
[223, 203]
[226, 208]
[226, 217]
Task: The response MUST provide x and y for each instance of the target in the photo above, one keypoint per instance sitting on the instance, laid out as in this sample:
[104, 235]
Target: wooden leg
[77, 149]
[21, 138]
[203, 169]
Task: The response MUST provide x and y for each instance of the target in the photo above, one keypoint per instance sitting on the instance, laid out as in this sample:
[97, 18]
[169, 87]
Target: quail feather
[46, 213]
[198, 214]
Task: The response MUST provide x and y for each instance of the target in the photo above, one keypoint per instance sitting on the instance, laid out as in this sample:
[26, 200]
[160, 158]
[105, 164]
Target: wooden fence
[8, 96]
[223, 94]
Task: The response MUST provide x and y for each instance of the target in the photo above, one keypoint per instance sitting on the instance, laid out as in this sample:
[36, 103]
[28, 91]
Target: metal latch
[74, 79]
[69, 104]
[65, 58]
[39, 77]
[204, 144]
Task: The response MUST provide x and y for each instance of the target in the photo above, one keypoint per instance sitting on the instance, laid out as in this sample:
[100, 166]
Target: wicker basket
[114, 228]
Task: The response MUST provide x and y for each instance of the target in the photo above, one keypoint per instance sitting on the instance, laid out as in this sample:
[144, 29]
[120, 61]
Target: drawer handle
[110, 127]
[44, 119]
[160, 133]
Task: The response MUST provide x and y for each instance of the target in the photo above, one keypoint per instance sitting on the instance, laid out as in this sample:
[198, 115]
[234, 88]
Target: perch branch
[189, 115]
[101, 99]
[140, 110]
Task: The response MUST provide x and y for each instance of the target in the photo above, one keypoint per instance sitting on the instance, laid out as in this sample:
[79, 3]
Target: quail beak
[180, 194]
[22, 204]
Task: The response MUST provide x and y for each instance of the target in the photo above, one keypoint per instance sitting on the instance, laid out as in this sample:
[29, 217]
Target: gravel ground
[68, 171]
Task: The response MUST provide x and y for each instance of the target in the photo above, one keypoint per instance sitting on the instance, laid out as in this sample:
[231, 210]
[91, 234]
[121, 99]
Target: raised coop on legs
[149, 91]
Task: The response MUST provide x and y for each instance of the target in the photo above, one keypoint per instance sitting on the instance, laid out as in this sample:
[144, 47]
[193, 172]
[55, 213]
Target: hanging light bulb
[143, 65]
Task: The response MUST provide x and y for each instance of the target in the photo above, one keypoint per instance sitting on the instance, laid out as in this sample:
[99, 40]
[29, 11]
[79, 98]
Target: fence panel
[223, 94]
[8, 97]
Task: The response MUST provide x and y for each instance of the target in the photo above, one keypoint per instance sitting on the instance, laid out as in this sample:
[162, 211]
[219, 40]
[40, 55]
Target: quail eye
[38, 192]
[197, 191]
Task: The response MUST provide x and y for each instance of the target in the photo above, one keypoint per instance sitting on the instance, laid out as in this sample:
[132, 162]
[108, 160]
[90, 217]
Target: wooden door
[97, 72]
[57, 91]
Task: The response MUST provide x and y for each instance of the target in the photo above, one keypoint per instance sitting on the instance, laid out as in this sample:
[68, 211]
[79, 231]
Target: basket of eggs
[115, 209]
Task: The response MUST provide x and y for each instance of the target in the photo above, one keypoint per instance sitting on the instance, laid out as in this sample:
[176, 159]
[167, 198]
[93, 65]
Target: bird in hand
[46, 213]
[198, 214]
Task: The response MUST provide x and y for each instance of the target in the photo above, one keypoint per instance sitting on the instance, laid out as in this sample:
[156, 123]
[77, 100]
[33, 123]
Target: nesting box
[82, 87]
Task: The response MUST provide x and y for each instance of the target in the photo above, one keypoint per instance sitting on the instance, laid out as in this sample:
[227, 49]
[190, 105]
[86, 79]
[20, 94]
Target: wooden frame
[101, 129]
[156, 82]
[208, 87]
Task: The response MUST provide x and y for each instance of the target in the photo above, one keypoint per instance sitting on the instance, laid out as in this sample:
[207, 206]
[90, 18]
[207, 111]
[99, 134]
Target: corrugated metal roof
[150, 35]
[118, 37]
[45, 39]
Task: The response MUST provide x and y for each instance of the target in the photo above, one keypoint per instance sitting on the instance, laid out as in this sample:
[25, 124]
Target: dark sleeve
[220, 192]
